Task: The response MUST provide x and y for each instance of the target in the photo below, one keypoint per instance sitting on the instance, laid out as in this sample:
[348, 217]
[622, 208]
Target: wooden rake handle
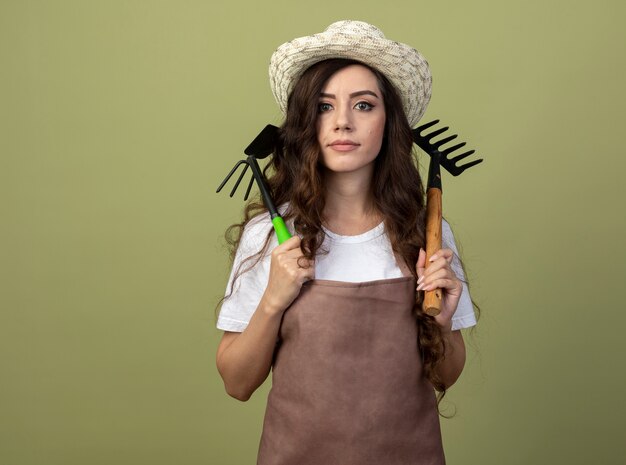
[432, 299]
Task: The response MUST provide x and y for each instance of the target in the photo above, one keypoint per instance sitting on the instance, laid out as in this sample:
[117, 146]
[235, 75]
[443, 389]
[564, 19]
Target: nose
[343, 119]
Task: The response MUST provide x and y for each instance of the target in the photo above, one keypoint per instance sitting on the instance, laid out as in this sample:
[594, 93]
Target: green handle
[281, 229]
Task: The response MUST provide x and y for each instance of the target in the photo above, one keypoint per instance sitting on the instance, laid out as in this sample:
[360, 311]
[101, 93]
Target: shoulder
[263, 221]
[257, 229]
[257, 226]
[464, 316]
[254, 234]
[448, 242]
[447, 236]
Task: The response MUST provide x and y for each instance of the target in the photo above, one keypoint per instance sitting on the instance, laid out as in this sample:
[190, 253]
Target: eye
[364, 106]
[324, 107]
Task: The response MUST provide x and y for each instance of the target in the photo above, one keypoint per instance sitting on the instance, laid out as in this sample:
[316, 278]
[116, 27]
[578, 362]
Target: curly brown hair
[295, 177]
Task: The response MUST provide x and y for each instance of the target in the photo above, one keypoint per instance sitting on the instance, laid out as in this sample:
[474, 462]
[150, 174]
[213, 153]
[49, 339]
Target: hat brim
[404, 66]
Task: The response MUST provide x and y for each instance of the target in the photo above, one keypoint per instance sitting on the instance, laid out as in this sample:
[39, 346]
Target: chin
[348, 167]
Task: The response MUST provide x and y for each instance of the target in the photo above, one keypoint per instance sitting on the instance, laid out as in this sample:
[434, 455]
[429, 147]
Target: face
[351, 120]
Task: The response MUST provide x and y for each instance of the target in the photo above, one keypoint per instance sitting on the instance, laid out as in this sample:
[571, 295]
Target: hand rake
[432, 299]
[262, 146]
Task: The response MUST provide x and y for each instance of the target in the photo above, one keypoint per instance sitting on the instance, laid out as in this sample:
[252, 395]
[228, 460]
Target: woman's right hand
[288, 271]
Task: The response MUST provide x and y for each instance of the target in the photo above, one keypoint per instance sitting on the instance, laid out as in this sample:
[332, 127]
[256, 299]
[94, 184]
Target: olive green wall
[119, 118]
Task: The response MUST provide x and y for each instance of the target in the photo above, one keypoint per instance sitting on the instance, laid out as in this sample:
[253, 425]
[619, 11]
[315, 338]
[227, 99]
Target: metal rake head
[432, 148]
[262, 146]
[247, 162]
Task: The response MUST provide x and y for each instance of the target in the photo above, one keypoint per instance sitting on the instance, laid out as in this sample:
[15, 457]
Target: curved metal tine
[230, 174]
[445, 140]
[462, 156]
[245, 197]
[436, 133]
[239, 180]
[459, 169]
[427, 125]
[449, 150]
[470, 164]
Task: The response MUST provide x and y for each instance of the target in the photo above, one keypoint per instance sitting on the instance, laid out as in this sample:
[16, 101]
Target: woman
[333, 310]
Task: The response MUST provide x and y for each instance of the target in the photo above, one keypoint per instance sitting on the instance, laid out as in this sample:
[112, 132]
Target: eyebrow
[352, 95]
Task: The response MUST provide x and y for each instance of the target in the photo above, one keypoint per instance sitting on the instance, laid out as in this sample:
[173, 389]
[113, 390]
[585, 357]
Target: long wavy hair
[295, 177]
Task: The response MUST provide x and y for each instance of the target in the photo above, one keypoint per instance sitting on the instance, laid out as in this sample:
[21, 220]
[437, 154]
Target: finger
[292, 243]
[421, 263]
[439, 264]
[299, 274]
[294, 257]
[307, 274]
[434, 276]
[295, 266]
[450, 286]
[441, 280]
[448, 254]
[295, 252]
[304, 263]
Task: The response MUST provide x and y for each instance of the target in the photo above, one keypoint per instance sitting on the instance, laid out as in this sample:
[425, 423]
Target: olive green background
[119, 118]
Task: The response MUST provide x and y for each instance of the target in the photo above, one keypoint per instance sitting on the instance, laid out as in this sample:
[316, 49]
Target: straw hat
[404, 66]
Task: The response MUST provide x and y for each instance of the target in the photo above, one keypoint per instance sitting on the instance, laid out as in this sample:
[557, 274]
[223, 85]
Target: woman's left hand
[439, 274]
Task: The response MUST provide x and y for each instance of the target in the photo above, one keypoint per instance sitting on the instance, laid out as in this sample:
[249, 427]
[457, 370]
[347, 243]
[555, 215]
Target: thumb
[292, 243]
[421, 262]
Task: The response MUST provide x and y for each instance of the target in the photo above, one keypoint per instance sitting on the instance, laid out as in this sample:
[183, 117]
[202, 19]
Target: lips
[344, 145]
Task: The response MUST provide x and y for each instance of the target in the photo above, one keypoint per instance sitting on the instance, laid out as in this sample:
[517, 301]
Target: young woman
[334, 311]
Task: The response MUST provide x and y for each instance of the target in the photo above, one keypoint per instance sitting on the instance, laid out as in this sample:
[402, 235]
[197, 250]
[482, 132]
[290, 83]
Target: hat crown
[404, 66]
[356, 28]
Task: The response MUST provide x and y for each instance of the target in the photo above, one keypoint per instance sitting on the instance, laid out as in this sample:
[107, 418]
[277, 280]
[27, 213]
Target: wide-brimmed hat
[404, 66]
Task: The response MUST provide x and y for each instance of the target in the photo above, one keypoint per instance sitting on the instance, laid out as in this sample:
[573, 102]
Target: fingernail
[420, 287]
[421, 279]
[433, 258]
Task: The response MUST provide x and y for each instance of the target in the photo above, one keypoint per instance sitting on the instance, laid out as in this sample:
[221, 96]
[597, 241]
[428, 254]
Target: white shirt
[365, 257]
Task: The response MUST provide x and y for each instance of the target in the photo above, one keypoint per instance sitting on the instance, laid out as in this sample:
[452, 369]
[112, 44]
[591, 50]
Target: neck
[349, 207]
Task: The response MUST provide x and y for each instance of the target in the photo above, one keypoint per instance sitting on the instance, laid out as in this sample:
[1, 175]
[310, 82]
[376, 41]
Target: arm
[439, 274]
[244, 359]
[451, 367]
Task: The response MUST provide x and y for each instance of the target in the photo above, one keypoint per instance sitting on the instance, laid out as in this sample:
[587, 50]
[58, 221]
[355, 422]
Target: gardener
[333, 311]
